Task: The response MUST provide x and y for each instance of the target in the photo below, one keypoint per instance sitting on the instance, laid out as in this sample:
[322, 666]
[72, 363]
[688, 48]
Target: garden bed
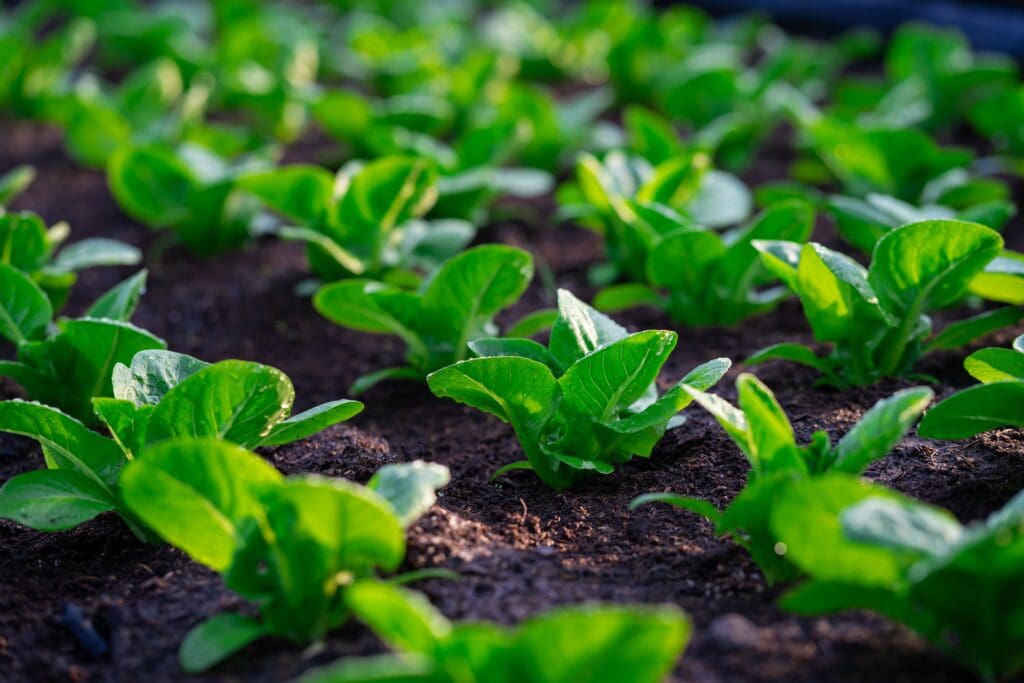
[519, 546]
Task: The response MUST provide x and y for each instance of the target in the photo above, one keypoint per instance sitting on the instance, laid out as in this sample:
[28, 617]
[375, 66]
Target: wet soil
[519, 547]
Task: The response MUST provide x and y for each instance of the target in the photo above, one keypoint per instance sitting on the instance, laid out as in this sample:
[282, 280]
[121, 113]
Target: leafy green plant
[65, 363]
[186, 188]
[606, 193]
[949, 75]
[367, 220]
[294, 546]
[875, 319]
[37, 70]
[29, 246]
[895, 161]
[702, 277]
[586, 402]
[866, 547]
[763, 433]
[996, 403]
[437, 322]
[583, 644]
[161, 396]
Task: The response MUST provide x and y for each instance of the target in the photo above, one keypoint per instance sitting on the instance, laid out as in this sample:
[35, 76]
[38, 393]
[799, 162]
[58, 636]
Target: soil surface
[519, 547]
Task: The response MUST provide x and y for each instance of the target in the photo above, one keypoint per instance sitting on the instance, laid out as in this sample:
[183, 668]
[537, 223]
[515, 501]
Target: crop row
[447, 121]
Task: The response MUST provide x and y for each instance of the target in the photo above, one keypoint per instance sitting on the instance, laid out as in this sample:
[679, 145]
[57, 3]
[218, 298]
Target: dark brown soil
[519, 546]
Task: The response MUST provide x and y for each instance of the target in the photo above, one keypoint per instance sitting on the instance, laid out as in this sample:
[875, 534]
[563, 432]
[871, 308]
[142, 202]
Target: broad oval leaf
[995, 365]
[409, 487]
[929, 264]
[604, 383]
[469, 290]
[233, 400]
[121, 300]
[53, 500]
[67, 443]
[195, 492]
[152, 374]
[975, 410]
[25, 310]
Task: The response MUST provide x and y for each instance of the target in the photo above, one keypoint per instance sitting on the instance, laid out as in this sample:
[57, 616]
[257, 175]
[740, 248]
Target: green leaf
[151, 184]
[506, 346]
[662, 411]
[126, 421]
[84, 355]
[152, 374]
[404, 620]
[300, 192]
[732, 419]
[378, 669]
[120, 302]
[372, 307]
[309, 422]
[15, 181]
[25, 310]
[519, 391]
[67, 443]
[469, 290]
[929, 264]
[409, 487]
[383, 195]
[695, 505]
[24, 241]
[95, 251]
[605, 382]
[905, 526]
[53, 500]
[196, 492]
[533, 323]
[771, 434]
[963, 332]
[975, 410]
[796, 353]
[216, 639]
[624, 296]
[995, 365]
[807, 520]
[579, 330]
[233, 400]
[602, 643]
[365, 382]
[881, 428]
[326, 245]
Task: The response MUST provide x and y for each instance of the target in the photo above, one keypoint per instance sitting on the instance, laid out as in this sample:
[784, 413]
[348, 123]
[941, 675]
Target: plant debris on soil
[94, 604]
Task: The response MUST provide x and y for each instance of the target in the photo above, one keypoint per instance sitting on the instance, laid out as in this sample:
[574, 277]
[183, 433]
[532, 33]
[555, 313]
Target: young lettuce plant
[578, 644]
[876, 318]
[294, 546]
[367, 221]
[866, 547]
[601, 196]
[437, 322]
[996, 403]
[763, 433]
[895, 161]
[584, 403]
[29, 246]
[161, 396]
[67, 363]
[702, 277]
[187, 189]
